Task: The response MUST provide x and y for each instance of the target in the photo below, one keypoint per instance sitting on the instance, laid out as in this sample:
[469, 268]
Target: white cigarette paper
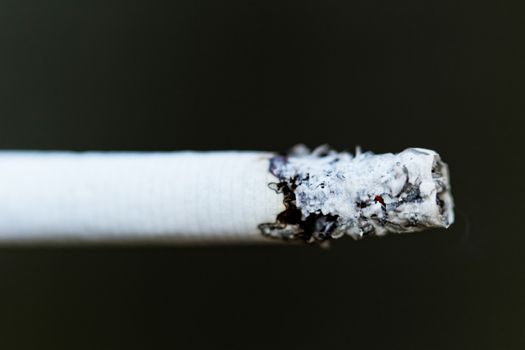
[154, 197]
[217, 196]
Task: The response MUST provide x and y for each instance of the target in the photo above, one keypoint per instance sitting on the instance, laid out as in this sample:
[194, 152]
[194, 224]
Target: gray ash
[328, 194]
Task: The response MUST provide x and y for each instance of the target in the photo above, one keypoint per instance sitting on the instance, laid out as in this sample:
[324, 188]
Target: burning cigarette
[219, 196]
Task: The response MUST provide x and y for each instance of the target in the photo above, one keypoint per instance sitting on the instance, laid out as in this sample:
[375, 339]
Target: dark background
[207, 75]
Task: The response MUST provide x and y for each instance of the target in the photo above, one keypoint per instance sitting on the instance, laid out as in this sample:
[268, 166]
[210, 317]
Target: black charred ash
[290, 224]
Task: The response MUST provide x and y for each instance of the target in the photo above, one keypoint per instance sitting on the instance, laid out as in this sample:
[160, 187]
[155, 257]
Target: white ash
[329, 194]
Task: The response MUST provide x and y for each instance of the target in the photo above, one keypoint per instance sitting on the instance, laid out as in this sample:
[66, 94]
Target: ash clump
[329, 194]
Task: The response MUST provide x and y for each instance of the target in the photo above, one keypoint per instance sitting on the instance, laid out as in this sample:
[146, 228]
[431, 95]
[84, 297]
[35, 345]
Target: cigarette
[212, 197]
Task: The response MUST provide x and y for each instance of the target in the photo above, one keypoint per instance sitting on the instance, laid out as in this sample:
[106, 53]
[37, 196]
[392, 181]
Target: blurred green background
[206, 75]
